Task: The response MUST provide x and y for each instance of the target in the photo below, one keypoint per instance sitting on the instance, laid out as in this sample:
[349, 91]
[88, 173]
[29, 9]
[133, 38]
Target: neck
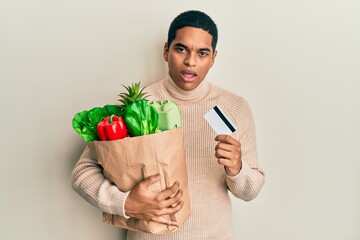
[197, 94]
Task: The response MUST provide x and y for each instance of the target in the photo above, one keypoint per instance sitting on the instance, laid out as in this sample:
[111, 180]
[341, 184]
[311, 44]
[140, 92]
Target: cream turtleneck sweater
[211, 216]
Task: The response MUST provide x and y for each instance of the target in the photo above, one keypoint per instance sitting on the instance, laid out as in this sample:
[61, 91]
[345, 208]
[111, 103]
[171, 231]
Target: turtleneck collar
[197, 94]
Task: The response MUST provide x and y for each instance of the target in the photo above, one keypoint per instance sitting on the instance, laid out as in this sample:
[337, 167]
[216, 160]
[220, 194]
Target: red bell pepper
[112, 128]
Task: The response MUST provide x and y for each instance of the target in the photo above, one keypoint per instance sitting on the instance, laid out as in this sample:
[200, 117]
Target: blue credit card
[219, 121]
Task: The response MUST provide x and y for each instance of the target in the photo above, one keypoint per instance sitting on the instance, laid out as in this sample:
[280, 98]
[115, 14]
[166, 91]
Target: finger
[228, 163]
[176, 208]
[171, 210]
[151, 180]
[164, 220]
[233, 155]
[227, 139]
[168, 192]
[219, 153]
[172, 201]
[226, 146]
[162, 216]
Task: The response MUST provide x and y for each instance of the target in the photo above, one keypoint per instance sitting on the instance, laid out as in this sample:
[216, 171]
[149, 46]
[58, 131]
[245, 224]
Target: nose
[190, 60]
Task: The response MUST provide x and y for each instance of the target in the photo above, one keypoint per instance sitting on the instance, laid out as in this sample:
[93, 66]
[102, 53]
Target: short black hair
[193, 18]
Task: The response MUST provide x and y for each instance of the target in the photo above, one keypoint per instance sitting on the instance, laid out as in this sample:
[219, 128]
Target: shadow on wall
[122, 234]
[74, 154]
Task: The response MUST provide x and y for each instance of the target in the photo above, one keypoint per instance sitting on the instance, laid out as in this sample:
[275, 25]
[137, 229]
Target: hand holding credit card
[219, 121]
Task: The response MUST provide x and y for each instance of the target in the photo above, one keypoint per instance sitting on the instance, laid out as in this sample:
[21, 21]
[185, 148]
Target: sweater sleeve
[247, 184]
[88, 180]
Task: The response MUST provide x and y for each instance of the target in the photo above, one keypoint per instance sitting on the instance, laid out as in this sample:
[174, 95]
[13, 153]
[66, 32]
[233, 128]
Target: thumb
[151, 180]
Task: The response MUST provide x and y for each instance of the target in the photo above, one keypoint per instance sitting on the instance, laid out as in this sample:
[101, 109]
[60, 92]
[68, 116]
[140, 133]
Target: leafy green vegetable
[141, 118]
[85, 122]
[113, 109]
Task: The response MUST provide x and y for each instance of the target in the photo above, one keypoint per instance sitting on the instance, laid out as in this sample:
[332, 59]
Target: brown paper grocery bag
[127, 161]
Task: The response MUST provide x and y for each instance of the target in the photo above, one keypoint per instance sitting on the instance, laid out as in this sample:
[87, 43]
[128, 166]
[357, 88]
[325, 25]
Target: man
[216, 164]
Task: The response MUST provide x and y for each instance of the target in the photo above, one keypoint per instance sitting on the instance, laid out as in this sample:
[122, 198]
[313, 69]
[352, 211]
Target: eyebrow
[186, 47]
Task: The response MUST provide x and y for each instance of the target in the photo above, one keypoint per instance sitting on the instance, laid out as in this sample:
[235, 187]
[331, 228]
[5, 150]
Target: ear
[213, 58]
[166, 52]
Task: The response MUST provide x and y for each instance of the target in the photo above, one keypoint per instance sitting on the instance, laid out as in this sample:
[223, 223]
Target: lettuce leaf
[85, 122]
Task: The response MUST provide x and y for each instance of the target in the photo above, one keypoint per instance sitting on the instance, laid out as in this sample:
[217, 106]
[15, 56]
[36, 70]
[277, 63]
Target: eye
[180, 49]
[203, 54]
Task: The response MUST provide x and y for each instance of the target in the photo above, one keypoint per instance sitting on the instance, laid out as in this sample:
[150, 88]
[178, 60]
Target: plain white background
[297, 63]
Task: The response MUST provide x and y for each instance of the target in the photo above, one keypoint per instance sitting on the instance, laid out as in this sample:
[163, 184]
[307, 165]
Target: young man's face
[190, 56]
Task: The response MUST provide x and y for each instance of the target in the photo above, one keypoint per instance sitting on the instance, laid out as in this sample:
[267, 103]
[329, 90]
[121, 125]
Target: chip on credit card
[219, 121]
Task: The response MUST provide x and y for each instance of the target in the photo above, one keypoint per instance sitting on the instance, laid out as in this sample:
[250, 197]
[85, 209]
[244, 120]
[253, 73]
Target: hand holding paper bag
[145, 204]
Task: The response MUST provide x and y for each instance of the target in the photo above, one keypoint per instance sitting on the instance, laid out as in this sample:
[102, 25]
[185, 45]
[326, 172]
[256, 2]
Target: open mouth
[188, 76]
